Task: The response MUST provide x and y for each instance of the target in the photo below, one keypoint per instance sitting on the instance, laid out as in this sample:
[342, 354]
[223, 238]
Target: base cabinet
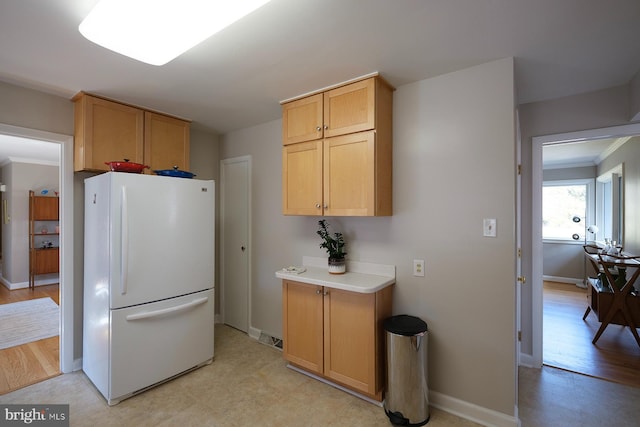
[337, 334]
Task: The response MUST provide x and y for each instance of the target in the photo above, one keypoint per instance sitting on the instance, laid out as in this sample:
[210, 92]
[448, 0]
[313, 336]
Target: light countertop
[360, 277]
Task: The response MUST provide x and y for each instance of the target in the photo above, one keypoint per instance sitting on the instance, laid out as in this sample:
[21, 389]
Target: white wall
[629, 155]
[454, 164]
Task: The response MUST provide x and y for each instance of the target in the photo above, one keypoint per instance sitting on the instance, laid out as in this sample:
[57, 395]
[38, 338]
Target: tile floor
[249, 385]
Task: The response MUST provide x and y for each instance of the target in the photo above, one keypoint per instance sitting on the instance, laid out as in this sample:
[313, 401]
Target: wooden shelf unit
[42, 260]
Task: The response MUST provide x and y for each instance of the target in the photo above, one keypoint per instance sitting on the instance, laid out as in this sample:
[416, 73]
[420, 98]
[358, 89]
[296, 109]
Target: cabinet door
[106, 131]
[45, 208]
[349, 339]
[166, 142]
[302, 178]
[302, 120]
[349, 178]
[46, 261]
[349, 108]
[302, 325]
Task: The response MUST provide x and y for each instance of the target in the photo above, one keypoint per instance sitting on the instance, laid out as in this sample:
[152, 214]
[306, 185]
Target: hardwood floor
[567, 339]
[33, 362]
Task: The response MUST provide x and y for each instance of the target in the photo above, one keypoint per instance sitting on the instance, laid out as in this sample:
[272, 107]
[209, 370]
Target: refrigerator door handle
[124, 241]
[162, 312]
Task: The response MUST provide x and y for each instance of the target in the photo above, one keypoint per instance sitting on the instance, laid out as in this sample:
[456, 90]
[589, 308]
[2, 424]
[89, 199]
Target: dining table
[613, 297]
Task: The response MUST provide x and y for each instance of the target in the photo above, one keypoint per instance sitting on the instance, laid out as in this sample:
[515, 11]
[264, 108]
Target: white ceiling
[579, 154]
[237, 77]
[22, 150]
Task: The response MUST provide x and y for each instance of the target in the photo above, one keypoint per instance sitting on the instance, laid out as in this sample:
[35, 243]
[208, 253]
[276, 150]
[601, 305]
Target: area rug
[27, 321]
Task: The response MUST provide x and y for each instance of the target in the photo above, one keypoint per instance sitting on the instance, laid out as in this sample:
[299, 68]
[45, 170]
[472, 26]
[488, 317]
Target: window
[610, 204]
[566, 209]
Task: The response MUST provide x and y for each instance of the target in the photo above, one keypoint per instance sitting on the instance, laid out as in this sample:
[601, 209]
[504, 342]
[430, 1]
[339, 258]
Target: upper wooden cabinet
[342, 165]
[106, 131]
[346, 109]
[302, 120]
[352, 108]
[166, 142]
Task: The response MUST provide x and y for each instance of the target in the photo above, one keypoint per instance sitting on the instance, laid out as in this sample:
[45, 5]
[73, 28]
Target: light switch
[489, 227]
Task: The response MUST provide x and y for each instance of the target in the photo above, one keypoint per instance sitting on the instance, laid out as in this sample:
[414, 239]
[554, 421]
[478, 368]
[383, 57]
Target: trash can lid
[404, 324]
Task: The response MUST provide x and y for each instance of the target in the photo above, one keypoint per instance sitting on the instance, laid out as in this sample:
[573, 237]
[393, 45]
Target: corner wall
[454, 164]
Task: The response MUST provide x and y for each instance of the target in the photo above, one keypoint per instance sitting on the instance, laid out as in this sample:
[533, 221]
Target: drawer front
[152, 342]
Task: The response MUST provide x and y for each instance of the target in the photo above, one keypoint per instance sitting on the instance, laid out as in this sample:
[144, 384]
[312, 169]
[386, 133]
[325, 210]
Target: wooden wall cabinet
[107, 130]
[337, 334]
[43, 210]
[337, 151]
[166, 142]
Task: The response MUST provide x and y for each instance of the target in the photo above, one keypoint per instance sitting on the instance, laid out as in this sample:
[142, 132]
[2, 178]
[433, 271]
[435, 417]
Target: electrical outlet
[418, 267]
[489, 227]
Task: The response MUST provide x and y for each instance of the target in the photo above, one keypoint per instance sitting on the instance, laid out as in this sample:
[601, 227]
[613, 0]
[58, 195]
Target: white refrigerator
[148, 280]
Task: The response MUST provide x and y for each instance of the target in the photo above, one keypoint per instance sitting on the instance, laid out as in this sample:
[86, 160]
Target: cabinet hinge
[522, 279]
[519, 169]
[519, 252]
[519, 335]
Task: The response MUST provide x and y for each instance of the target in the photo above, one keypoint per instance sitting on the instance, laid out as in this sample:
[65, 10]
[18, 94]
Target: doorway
[235, 241]
[536, 230]
[66, 233]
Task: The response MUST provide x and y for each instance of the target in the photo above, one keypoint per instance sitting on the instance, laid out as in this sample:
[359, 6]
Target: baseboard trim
[254, 333]
[25, 285]
[527, 361]
[332, 384]
[471, 412]
[572, 280]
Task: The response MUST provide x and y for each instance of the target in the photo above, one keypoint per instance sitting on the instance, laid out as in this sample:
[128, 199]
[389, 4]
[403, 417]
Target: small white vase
[337, 265]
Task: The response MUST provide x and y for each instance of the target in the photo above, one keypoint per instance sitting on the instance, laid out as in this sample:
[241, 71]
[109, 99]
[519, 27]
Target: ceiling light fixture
[157, 31]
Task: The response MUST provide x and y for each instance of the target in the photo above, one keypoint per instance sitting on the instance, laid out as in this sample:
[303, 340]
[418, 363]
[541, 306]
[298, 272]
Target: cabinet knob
[326, 206]
[318, 128]
[326, 127]
[318, 205]
[318, 291]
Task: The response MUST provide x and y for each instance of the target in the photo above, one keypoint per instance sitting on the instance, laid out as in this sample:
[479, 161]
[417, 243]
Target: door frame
[536, 217]
[66, 236]
[223, 184]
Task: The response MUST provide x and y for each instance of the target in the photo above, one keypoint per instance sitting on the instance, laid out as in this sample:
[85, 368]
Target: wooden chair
[619, 311]
[592, 252]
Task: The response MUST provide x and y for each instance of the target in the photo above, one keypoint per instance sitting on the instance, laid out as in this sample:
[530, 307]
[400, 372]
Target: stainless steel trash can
[406, 400]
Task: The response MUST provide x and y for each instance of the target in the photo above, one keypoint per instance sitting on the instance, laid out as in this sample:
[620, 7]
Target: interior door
[235, 254]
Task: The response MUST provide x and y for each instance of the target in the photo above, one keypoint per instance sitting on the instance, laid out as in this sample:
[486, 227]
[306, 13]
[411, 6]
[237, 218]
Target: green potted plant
[334, 246]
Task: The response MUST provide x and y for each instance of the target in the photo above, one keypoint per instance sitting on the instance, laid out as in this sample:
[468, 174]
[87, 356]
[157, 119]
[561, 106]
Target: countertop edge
[334, 281]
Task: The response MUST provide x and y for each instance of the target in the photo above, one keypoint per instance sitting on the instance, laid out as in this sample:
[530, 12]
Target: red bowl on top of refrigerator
[126, 166]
